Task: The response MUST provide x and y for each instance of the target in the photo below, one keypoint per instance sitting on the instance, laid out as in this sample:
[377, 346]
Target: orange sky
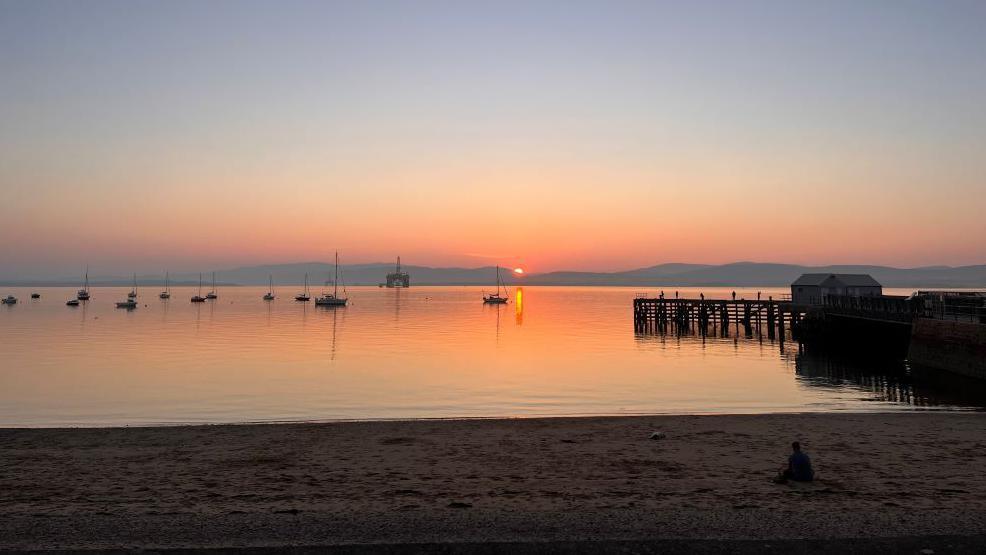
[598, 139]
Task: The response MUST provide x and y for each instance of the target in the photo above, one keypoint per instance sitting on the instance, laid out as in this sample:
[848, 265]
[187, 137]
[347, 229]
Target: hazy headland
[739, 274]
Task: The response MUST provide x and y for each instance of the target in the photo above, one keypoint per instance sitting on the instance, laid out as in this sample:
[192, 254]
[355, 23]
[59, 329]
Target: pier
[715, 316]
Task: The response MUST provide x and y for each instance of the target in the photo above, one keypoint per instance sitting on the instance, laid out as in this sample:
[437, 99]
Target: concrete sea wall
[959, 347]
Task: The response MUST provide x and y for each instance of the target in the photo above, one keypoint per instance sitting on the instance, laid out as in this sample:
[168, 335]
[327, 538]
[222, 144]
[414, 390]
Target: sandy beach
[905, 478]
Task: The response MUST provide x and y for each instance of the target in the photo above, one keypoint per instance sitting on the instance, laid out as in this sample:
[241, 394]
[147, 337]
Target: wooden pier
[715, 316]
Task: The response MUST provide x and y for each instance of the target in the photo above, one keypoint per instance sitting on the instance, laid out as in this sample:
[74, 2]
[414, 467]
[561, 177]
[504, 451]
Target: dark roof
[848, 280]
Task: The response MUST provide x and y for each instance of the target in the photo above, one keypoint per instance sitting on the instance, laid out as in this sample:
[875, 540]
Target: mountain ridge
[736, 274]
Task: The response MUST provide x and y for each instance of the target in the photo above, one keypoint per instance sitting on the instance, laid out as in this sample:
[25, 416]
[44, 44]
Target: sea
[417, 353]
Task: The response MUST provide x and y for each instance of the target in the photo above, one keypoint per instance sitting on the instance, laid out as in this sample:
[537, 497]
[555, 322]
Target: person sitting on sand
[798, 467]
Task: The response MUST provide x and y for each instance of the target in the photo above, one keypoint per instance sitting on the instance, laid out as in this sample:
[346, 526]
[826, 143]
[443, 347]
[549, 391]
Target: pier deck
[711, 315]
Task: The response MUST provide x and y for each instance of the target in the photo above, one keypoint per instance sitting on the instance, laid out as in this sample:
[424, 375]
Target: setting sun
[518, 271]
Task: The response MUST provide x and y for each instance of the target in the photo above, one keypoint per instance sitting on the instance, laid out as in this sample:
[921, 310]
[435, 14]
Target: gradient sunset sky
[143, 136]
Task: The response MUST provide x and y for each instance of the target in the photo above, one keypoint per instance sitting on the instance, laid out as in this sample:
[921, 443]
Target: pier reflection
[892, 381]
[878, 381]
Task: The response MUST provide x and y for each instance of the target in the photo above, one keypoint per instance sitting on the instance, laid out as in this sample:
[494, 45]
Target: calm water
[424, 352]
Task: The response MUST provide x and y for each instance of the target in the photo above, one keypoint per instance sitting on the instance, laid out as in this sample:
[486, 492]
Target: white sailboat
[304, 296]
[199, 298]
[83, 294]
[333, 299]
[212, 294]
[496, 298]
[131, 301]
[166, 294]
[270, 289]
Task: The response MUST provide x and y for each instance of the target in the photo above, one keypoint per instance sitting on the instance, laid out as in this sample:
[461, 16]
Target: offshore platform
[397, 278]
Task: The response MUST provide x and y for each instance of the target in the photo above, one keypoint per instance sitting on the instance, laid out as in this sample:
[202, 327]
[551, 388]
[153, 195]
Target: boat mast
[200, 284]
[335, 282]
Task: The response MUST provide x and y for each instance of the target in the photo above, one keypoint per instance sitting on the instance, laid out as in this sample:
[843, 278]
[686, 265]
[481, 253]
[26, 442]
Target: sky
[143, 136]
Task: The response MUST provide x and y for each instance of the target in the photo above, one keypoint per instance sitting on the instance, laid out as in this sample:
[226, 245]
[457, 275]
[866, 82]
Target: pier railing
[959, 306]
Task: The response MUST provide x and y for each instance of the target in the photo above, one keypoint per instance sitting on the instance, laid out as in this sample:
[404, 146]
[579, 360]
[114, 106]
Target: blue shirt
[800, 466]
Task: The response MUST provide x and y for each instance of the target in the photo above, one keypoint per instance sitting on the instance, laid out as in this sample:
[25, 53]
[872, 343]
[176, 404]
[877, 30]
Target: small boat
[199, 298]
[166, 294]
[131, 301]
[334, 299]
[83, 294]
[35, 295]
[496, 298]
[270, 290]
[304, 296]
[212, 294]
[9, 300]
[72, 302]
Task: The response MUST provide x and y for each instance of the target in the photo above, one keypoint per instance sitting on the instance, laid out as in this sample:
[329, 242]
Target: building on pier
[812, 289]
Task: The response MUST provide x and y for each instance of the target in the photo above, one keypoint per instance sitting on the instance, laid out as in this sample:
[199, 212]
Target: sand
[572, 481]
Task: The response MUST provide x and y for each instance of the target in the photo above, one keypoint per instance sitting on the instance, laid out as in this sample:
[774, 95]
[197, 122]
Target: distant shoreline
[737, 274]
[42, 284]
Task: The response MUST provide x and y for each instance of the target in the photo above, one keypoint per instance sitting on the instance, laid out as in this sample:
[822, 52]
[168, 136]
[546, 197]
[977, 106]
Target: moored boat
[496, 298]
[304, 296]
[269, 296]
[83, 294]
[213, 294]
[199, 298]
[333, 299]
[166, 294]
[131, 301]
[10, 299]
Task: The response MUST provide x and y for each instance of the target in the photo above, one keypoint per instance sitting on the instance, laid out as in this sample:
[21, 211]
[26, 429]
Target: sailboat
[131, 301]
[83, 294]
[270, 290]
[304, 296]
[496, 298]
[166, 294]
[334, 299]
[9, 300]
[199, 298]
[212, 294]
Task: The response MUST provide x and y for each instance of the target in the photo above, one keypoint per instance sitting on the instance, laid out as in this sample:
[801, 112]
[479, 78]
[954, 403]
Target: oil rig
[397, 278]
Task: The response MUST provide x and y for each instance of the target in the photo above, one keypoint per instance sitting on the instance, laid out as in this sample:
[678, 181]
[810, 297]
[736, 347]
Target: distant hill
[738, 274]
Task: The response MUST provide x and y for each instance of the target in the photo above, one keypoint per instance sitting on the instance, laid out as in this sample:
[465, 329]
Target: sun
[519, 271]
